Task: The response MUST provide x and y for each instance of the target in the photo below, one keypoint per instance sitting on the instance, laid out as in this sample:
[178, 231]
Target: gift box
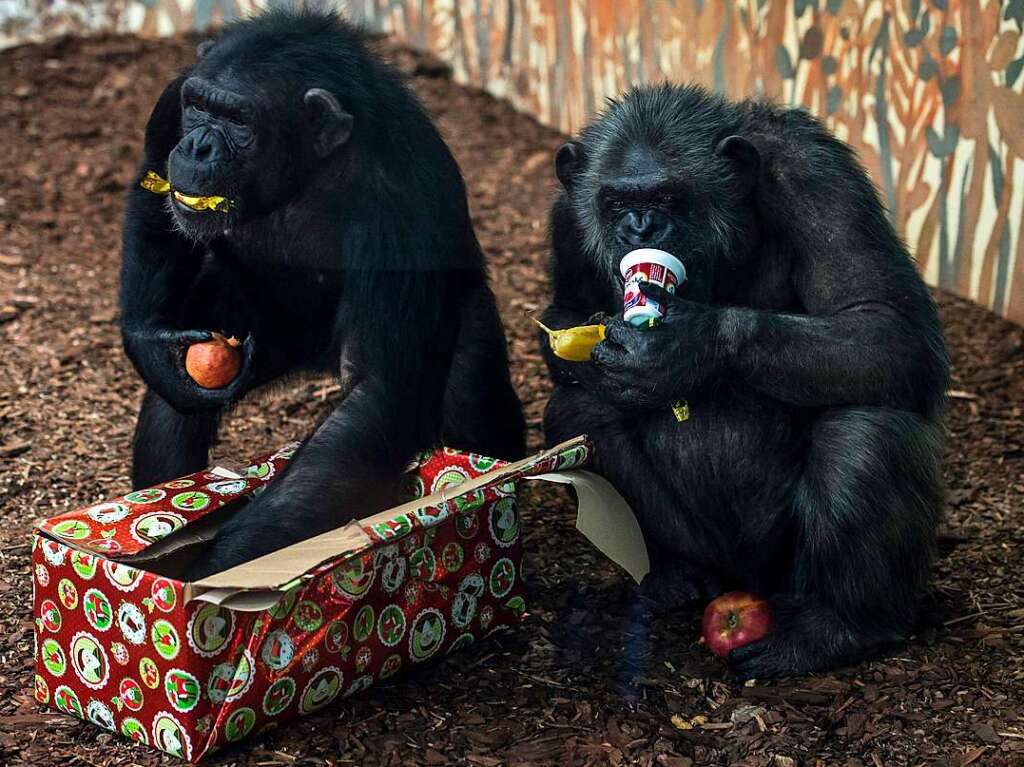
[189, 667]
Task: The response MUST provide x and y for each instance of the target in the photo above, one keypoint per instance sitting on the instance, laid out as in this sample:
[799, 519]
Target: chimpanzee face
[255, 145]
[643, 202]
[659, 183]
[220, 151]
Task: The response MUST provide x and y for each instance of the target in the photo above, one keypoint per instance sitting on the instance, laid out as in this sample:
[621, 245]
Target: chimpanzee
[805, 344]
[346, 246]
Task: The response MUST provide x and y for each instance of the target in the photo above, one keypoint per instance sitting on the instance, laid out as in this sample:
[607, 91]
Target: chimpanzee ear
[331, 124]
[745, 158]
[204, 47]
[568, 163]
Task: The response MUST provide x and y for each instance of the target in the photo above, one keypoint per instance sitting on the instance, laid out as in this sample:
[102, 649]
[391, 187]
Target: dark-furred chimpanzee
[347, 247]
[806, 344]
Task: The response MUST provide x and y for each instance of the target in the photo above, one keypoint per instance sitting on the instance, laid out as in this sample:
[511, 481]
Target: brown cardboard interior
[282, 567]
[182, 544]
[233, 599]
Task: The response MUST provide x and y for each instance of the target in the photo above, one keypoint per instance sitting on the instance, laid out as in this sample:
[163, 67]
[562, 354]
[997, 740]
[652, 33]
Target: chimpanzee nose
[204, 145]
[641, 227]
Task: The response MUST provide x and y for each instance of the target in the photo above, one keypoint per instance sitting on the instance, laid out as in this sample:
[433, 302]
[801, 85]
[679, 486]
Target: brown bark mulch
[592, 677]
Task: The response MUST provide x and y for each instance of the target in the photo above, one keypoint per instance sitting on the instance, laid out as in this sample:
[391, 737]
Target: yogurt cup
[648, 265]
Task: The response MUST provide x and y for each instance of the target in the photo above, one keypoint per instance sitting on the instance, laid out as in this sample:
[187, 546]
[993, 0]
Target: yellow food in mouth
[574, 344]
[213, 202]
[154, 183]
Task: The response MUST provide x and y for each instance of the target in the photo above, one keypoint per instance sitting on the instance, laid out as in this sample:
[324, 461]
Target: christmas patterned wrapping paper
[131, 652]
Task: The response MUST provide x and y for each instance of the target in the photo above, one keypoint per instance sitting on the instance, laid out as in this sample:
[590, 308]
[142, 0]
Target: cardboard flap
[160, 517]
[281, 568]
[606, 520]
[243, 601]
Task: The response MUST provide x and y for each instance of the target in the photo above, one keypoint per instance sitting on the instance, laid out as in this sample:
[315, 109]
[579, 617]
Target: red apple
[735, 619]
[214, 363]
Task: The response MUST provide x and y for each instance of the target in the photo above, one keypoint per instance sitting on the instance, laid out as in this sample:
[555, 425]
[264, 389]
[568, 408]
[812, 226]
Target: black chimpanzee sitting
[808, 349]
[347, 247]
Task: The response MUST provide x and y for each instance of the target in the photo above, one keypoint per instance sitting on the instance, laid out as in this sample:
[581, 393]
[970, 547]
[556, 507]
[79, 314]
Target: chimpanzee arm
[867, 354]
[158, 266]
[871, 334]
[577, 292]
[350, 467]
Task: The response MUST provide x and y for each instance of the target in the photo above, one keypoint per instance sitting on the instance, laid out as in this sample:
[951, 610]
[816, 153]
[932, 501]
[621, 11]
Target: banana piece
[213, 202]
[574, 344]
[154, 183]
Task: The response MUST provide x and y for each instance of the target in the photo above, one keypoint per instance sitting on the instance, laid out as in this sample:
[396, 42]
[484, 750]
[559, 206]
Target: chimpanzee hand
[159, 356]
[648, 368]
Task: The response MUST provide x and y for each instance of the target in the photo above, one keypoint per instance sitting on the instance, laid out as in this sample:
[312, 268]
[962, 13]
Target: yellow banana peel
[573, 344]
[154, 183]
[577, 344]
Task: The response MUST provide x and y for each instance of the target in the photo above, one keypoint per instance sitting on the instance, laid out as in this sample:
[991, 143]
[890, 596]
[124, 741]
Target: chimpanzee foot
[679, 588]
[767, 658]
[782, 655]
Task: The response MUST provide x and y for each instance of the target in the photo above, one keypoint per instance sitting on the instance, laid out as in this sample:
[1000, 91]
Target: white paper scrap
[606, 520]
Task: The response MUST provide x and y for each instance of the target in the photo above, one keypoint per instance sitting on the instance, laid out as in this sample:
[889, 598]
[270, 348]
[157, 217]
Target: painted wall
[930, 92]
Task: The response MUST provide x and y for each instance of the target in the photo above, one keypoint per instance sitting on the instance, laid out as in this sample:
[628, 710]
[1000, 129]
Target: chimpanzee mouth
[199, 224]
[180, 201]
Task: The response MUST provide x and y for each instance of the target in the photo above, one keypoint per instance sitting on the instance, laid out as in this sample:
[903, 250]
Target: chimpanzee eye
[194, 112]
[241, 133]
[236, 120]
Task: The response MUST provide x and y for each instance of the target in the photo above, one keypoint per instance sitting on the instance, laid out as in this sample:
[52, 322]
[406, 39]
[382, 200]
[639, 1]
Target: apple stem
[732, 621]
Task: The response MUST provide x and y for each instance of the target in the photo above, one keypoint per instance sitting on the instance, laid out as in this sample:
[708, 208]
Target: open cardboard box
[188, 667]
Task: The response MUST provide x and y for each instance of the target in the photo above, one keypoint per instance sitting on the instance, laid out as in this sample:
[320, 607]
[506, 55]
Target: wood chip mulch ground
[592, 677]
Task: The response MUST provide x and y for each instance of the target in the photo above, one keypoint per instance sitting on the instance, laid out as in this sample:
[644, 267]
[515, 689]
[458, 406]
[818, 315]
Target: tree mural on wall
[930, 92]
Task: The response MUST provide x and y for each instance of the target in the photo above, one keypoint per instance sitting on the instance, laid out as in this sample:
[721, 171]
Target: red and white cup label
[648, 265]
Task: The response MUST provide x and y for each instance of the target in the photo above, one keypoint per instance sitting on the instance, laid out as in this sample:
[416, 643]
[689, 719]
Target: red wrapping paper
[119, 646]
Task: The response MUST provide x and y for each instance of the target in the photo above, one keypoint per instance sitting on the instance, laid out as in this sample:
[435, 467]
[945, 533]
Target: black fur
[806, 344]
[348, 248]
